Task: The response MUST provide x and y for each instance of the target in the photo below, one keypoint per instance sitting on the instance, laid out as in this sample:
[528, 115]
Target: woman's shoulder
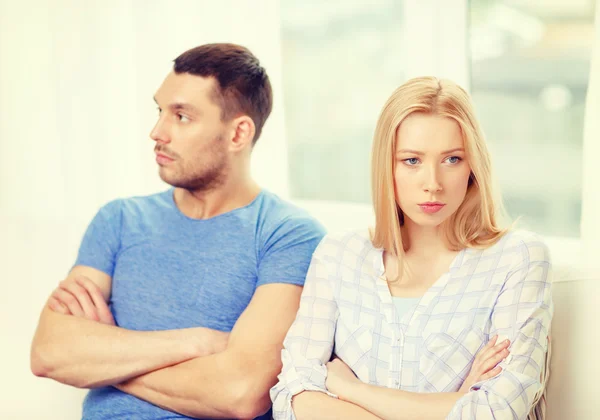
[525, 238]
[355, 241]
[523, 245]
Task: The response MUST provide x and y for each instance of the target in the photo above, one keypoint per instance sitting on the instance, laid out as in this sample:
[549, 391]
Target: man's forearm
[394, 404]
[214, 386]
[310, 405]
[234, 383]
[88, 354]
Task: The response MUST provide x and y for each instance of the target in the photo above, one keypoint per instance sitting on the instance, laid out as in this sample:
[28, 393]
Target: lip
[431, 207]
[162, 159]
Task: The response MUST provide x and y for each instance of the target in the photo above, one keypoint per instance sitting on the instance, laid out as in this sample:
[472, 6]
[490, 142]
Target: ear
[243, 130]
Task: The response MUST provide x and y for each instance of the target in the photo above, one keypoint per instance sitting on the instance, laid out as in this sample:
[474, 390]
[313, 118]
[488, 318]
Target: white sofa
[575, 335]
[574, 366]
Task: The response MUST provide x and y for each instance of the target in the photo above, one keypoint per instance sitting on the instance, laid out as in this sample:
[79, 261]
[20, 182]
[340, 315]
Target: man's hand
[339, 378]
[485, 363]
[81, 297]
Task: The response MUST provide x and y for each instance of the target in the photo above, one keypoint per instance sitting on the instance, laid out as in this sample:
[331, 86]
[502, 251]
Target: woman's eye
[453, 159]
[183, 118]
[411, 161]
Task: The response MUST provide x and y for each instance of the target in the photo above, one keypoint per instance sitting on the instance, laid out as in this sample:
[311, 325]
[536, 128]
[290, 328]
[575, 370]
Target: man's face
[191, 150]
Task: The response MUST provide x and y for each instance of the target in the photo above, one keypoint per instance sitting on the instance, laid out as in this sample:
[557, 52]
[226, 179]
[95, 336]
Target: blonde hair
[474, 224]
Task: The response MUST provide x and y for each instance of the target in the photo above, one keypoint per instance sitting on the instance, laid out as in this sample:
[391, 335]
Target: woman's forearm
[394, 404]
[311, 405]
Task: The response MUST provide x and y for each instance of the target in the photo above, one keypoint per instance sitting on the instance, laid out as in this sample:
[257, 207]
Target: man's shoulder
[159, 198]
[142, 204]
[279, 214]
[137, 209]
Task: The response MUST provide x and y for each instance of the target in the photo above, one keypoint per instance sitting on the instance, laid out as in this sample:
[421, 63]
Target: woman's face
[431, 173]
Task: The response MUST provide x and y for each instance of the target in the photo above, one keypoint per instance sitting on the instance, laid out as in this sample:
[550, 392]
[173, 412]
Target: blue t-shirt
[170, 271]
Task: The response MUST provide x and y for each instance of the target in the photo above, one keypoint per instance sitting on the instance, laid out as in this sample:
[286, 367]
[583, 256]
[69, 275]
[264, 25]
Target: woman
[409, 307]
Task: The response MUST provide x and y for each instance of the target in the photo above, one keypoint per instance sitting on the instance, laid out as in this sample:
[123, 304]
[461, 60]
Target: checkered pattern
[346, 308]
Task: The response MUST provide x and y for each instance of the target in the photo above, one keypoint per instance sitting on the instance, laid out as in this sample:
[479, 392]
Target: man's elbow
[39, 360]
[44, 364]
[44, 356]
[253, 407]
[252, 400]
[237, 403]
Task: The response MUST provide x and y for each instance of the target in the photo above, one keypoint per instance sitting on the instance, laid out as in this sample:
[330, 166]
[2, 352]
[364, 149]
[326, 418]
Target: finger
[491, 352]
[490, 374]
[58, 307]
[487, 346]
[503, 344]
[83, 297]
[490, 363]
[70, 301]
[492, 342]
[104, 314]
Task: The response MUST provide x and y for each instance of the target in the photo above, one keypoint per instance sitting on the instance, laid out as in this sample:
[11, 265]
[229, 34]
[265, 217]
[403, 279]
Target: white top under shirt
[504, 289]
[403, 304]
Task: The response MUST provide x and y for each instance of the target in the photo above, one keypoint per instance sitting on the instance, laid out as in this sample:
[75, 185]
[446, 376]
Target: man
[179, 301]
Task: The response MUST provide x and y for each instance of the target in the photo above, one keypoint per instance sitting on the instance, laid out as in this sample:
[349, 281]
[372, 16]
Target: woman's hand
[484, 366]
[340, 378]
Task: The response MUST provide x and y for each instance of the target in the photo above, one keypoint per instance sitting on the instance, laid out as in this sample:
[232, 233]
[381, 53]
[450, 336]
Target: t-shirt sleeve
[286, 256]
[101, 241]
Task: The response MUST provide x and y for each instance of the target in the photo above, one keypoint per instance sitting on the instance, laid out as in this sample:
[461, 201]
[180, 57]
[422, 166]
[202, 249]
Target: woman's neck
[424, 241]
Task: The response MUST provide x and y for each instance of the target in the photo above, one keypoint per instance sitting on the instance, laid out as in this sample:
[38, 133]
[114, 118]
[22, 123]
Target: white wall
[76, 86]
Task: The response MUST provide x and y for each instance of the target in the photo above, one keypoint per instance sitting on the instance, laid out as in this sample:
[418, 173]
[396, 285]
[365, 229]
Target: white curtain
[590, 223]
[76, 86]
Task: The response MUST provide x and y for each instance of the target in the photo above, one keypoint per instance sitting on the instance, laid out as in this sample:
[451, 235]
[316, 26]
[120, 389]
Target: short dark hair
[243, 84]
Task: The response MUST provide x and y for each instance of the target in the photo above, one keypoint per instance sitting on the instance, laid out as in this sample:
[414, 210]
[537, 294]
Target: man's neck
[214, 202]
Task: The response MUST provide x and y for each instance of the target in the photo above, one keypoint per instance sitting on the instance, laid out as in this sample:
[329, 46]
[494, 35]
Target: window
[525, 62]
[341, 61]
[530, 64]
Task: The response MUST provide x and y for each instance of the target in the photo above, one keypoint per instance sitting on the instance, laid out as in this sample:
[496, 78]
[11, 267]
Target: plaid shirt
[346, 305]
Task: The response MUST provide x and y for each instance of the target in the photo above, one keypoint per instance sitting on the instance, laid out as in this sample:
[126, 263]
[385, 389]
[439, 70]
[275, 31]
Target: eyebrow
[416, 152]
[180, 106]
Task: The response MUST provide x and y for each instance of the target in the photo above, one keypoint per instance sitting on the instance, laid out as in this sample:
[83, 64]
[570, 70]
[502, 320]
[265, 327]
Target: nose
[160, 132]
[432, 182]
